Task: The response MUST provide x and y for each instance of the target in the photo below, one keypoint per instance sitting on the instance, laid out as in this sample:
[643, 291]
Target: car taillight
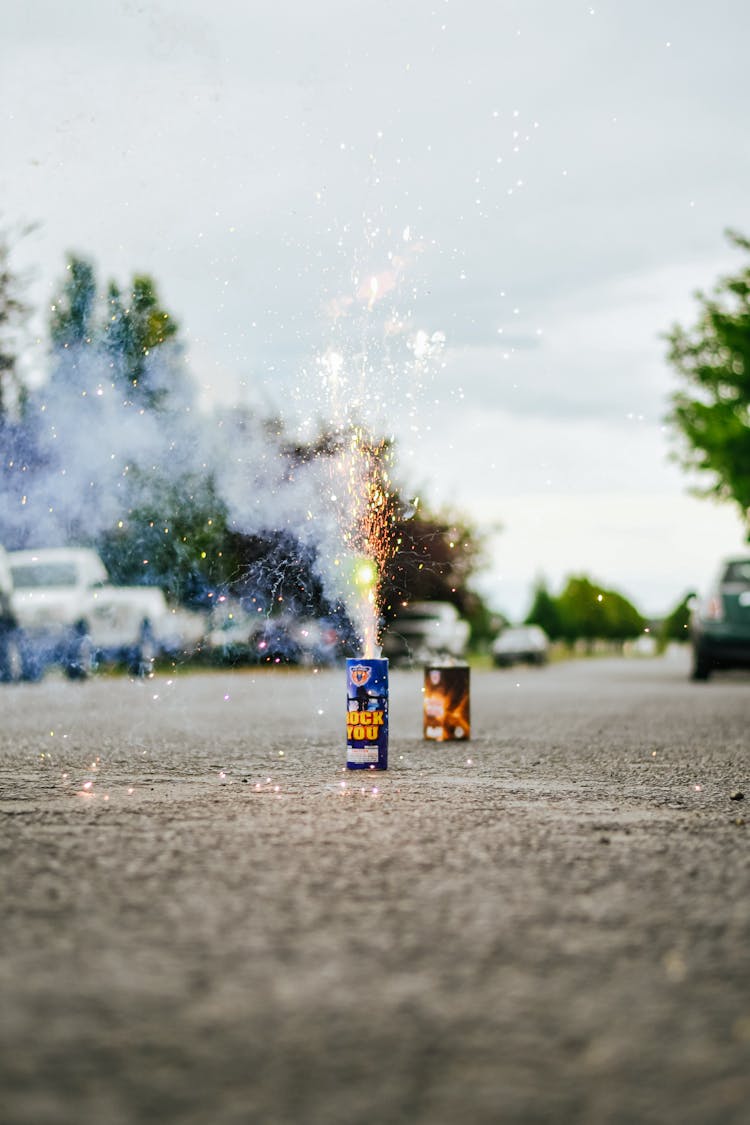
[713, 609]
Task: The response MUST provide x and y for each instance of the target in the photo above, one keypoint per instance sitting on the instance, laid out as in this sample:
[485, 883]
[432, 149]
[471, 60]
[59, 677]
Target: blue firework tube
[366, 714]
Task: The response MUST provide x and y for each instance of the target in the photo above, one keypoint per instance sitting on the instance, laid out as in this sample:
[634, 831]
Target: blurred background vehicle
[720, 623]
[246, 636]
[10, 634]
[523, 644]
[71, 615]
[318, 641]
[233, 631]
[277, 642]
[424, 631]
[181, 632]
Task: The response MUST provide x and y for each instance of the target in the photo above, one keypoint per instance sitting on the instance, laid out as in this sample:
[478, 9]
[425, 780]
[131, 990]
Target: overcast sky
[545, 182]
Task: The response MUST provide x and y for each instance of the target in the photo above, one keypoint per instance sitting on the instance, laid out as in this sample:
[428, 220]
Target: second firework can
[446, 702]
[366, 714]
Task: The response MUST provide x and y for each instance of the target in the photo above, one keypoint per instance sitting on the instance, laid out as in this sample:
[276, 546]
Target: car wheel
[32, 666]
[144, 655]
[701, 668]
[80, 662]
[11, 662]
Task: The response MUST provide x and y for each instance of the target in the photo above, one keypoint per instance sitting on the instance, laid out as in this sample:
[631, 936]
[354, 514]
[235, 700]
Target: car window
[418, 616]
[34, 576]
[738, 571]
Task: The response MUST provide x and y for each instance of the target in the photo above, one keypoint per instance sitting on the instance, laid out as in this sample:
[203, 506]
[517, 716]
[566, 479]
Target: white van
[73, 616]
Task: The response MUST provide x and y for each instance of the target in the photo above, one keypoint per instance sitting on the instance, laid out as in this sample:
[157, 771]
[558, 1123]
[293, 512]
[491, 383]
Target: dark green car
[720, 623]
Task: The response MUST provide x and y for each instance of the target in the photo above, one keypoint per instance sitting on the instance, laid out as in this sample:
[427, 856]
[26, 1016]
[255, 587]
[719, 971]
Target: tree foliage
[585, 611]
[14, 312]
[545, 611]
[435, 555]
[72, 322]
[174, 536]
[712, 412]
[128, 337]
[137, 326]
[675, 626]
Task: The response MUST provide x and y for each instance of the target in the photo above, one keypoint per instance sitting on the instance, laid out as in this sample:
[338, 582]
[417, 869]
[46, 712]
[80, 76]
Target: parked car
[234, 632]
[424, 631]
[182, 632]
[10, 634]
[240, 636]
[73, 616]
[289, 639]
[523, 644]
[319, 641]
[720, 622]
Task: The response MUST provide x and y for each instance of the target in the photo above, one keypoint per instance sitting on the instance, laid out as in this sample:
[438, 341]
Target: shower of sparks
[368, 537]
[361, 497]
[375, 367]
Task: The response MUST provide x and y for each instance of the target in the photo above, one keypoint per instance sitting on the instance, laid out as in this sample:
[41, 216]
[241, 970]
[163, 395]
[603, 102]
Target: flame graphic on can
[446, 703]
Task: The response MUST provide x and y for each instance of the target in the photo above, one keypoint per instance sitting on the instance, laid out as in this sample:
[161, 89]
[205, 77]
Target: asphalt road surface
[206, 920]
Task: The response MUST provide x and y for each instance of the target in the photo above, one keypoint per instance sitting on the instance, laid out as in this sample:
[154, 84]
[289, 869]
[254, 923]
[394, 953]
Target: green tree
[116, 336]
[580, 606]
[589, 612]
[136, 329]
[175, 536]
[434, 557]
[152, 472]
[74, 332]
[13, 314]
[676, 624]
[545, 611]
[623, 622]
[712, 412]
[128, 337]
[72, 322]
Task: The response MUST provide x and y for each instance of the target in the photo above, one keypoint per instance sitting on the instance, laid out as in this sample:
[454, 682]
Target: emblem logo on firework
[360, 674]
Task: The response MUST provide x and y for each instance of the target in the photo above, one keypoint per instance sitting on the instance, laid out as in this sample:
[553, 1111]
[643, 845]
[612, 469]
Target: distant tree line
[585, 611]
